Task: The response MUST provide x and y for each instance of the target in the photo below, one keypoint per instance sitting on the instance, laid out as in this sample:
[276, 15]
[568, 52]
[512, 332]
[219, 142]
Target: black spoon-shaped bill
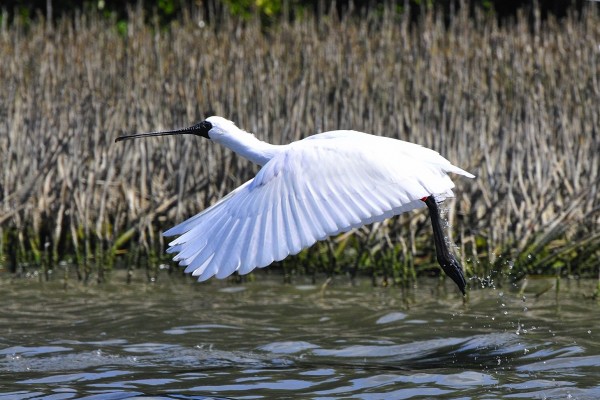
[200, 129]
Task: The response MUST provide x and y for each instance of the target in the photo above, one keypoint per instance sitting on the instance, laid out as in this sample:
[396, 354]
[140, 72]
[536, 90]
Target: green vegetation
[516, 104]
[271, 11]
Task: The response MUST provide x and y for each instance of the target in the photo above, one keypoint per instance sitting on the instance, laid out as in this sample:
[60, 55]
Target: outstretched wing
[309, 191]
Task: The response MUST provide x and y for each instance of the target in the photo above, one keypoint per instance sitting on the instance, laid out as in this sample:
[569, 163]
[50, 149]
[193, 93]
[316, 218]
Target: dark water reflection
[178, 339]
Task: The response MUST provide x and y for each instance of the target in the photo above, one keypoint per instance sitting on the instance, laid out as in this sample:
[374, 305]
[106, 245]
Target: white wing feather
[312, 189]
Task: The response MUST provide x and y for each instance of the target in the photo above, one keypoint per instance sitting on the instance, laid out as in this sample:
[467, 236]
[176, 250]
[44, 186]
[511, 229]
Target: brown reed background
[518, 105]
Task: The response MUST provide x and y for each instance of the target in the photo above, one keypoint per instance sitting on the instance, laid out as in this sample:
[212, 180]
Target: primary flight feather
[306, 191]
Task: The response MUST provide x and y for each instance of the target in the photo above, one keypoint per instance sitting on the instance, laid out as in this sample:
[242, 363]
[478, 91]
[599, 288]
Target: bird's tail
[454, 169]
[449, 168]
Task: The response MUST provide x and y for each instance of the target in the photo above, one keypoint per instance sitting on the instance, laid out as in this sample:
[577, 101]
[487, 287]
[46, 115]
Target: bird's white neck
[246, 145]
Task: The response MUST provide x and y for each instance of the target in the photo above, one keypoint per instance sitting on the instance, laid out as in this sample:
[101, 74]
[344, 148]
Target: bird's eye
[206, 126]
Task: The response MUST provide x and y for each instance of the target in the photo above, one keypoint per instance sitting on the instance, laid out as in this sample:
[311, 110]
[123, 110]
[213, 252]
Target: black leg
[447, 261]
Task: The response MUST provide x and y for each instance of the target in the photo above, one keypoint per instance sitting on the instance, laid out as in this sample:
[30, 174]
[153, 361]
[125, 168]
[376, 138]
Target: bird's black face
[200, 129]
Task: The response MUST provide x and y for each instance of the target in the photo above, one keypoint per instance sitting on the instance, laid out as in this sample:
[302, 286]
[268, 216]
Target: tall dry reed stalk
[518, 105]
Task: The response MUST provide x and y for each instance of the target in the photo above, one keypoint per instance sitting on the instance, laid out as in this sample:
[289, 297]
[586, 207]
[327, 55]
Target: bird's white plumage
[305, 191]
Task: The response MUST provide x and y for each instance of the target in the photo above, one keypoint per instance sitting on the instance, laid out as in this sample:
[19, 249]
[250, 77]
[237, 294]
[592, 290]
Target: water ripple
[278, 341]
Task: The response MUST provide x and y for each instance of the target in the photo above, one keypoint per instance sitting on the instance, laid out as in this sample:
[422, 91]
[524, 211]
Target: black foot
[454, 270]
[447, 261]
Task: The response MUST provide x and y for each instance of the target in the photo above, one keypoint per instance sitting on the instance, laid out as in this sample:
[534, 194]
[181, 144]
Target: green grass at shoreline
[516, 104]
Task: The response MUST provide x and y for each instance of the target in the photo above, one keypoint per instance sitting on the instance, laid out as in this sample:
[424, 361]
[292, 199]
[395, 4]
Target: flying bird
[305, 191]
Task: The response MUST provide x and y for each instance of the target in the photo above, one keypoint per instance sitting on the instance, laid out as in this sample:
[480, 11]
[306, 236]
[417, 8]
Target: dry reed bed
[516, 105]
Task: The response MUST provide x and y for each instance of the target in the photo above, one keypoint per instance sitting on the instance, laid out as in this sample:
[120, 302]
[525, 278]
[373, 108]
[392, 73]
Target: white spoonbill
[306, 191]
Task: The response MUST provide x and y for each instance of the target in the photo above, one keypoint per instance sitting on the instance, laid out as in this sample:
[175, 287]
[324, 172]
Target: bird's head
[220, 128]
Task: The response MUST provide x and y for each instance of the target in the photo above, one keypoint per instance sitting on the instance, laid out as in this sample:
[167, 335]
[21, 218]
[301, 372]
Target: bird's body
[305, 191]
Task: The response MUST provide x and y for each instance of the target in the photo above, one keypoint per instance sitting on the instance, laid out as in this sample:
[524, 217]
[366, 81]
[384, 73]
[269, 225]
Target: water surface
[179, 339]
